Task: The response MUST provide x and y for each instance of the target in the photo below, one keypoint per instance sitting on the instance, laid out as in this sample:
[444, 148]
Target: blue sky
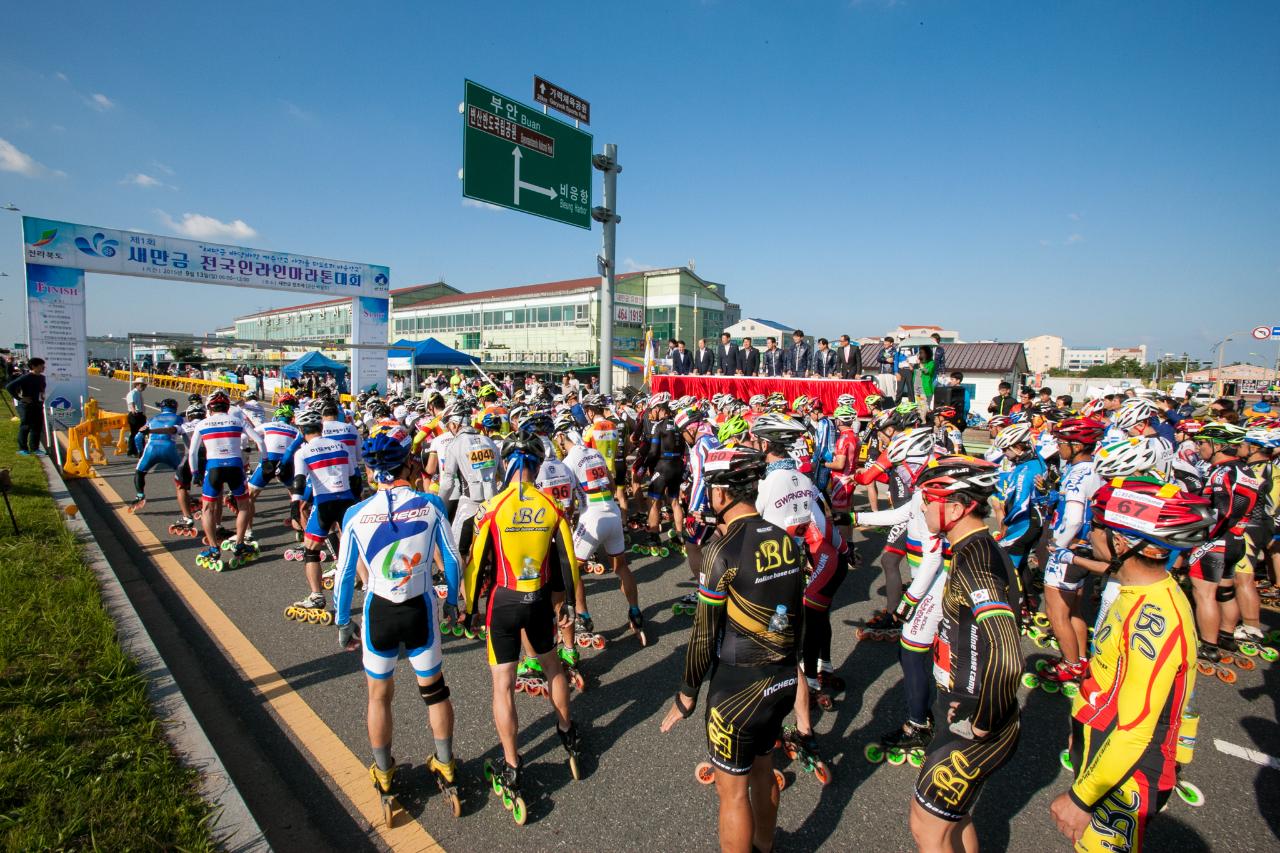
[1104, 171]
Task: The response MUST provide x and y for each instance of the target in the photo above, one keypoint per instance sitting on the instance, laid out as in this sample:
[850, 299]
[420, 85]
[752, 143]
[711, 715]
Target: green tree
[187, 355]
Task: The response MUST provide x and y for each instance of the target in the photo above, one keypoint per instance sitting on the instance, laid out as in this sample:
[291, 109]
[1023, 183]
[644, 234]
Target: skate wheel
[1040, 620]
[327, 583]
[326, 618]
[597, 642]
[455, 803]
[1041, 665]
[579, 683]
[873, 752]
[916, 758]
[1190, 794]
[1248, 649]
[822, 772]
[314, 616]
[518, 811]
[790, 749]
[582, 641]
[1269, 654]
[1247, 664]
[1050, 687]
[389, 806]
[664, 552]
[488, 770]
[573, 768]
[644, 640]
[519, 686]
[1064, 758]
[288, 613]
[896, 757]
[779, 779]
[1227, 676]
[1029, 680]
[507, 802]
[1204, 667]
[1071, 690]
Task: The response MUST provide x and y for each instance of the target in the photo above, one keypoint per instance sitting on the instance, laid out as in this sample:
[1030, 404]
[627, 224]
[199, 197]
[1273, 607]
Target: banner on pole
[55, 332]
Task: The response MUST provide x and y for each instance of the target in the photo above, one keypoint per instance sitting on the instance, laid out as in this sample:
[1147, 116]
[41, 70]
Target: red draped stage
[742, 387]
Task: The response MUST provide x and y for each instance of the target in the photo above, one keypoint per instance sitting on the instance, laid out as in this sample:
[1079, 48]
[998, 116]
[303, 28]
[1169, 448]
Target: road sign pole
[607, 215]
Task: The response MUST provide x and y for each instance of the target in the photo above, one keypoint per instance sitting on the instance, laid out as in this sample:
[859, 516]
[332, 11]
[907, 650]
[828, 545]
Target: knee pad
[434, 693]
[311, 554]
[1225, 593]
[295, 510]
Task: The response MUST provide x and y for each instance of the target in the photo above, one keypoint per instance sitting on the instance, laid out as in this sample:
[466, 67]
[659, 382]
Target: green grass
[83, 761]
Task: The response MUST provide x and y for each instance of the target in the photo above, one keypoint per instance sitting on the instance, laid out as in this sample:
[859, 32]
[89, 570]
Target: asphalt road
[639, 791]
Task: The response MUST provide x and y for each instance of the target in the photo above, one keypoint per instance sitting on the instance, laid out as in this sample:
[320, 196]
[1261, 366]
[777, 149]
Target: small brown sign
[558, 99]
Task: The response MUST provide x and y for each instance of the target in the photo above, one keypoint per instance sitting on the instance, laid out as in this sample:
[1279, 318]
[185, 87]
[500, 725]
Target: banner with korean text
[55, 332]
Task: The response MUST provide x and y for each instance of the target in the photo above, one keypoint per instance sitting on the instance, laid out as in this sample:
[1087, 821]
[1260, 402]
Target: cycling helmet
[539, 423]
[1080, 430]
[195, 398]
[958, 476]
[689, 400]
[662, 398]
[317, 404]
[913, 445]
[487, 390]
[734, 468]
[777, 428]
[220, 400]
[1221, 433]
[845, 413]
[378, 410]
[284, 413]
[287, 399]
[756, 400]
[517, 413]
[456, 412]
[733, 427]
[1013, 434]
[998, 422]
[308, 419]
[385, 452]
[846, 400]
[887, 419]
[872, 399]
[801, 404]
[593, 401]
[564, 422]
[689, 417]
[1124, 458]
[909, 415]
[1263, 437]
[1135, 413]
[1153, 510]
[1189, 426]
[523, 450]
[168, 404]
[1053, 414]
[491, 421]
[195, 412]
[250, 395]
[947, 413]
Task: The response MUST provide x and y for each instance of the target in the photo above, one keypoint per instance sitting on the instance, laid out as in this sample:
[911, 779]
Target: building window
[471, 340]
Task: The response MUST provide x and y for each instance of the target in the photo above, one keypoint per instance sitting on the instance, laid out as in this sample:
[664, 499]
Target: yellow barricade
[88, 440]
[181, 383]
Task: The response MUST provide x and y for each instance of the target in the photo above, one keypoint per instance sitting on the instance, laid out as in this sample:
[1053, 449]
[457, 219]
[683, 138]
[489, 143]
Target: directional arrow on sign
[516, 156]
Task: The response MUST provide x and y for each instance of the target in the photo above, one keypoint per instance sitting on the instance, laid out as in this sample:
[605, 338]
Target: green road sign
[514, 156]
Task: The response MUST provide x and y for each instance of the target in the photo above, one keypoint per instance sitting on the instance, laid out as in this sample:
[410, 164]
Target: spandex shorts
[955, 768]
[665, 482]
[324, 517]
[599, 529]
[1215, 561]
[231, 476]
[511, 612]
[412, 624]
[745, 709]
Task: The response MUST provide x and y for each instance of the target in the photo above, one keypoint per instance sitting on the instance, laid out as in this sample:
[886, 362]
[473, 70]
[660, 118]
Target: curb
[233, 827]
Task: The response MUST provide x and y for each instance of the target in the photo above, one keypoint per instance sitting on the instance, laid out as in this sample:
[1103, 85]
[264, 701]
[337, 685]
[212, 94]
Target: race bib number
[597, 475]
[481, 458]
[1133, 510]
[560, 493]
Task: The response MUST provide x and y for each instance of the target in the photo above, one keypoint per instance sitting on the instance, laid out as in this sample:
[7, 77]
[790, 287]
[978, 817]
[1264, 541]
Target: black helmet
[169, 404]
[734, 468]
[524, 449]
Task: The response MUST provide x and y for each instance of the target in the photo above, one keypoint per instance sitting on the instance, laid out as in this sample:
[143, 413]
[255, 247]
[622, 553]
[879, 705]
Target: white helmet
[756, 400]
[1019, 433]
[913, 445]
[662, 398]
[846, 400]
[1125, 457]
[1134, 413]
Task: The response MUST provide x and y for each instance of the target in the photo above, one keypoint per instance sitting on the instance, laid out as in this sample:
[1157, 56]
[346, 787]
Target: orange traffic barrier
[88, 440]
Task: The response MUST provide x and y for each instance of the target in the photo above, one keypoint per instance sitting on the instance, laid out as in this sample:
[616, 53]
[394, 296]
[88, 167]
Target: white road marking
[1247, 754]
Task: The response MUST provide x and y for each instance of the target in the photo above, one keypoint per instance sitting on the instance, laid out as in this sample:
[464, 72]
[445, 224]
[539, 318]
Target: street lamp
[1217, 378]
[11, 207]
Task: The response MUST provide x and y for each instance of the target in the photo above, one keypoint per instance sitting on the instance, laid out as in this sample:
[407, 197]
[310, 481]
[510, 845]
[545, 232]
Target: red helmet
[1153, 509]
[1080, 430]
[947, 412]
[1091, 408]
[1190, 426]
[998, 422]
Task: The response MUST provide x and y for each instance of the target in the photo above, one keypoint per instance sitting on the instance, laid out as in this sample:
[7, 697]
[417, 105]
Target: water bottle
[779, 622]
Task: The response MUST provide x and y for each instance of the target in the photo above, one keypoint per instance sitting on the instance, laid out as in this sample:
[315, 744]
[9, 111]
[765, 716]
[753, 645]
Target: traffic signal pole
[607, 215]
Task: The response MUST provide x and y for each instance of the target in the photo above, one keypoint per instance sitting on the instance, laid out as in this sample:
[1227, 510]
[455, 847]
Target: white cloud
[294, 111]
[1075, 238]
[64, 78]
[202, 227]
[100, 102]
[632, 265]
[13, 160]
[161, 167]
[481, 205]
[139, 179]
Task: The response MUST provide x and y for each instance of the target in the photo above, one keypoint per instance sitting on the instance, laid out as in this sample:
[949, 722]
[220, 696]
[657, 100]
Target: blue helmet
[385, 453]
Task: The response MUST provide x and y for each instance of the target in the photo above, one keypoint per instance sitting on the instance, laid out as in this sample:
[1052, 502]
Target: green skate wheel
[1064, 758]
[1029, 680]
[506, 801]
[664, 552]
[1273, 636]
[638, 549]
[1248, 649]
[488, 771]
[1053, 644]
[916, 757]
[676, 609]
[496, 782]
[1042, 665]
[896, 757]
[1190, 794]
[518, 812]
[874, 753]
[1269, 654]
[1049, 686]
[1070, 689]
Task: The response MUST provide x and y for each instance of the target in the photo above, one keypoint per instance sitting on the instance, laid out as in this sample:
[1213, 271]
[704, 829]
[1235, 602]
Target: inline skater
[994, 454]
[161, 434]
[664, 457]
[1259, 529]
[523, 543]
[824, 441]
[602, 434]
[391, 539]
[321, 466]
[1063, 582]
[1131, 710]
[1020, 502]
[843, 465]
[745, 636]
[182, 478]
[599, 528]
[977, 660]
[700, 521]
[220, 436]
[1136, 418]
[1188, 468]
[468, 468]
[278, 435]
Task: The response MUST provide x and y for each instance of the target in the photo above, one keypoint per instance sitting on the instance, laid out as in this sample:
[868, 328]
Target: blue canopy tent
[427, 353]
[317, 362]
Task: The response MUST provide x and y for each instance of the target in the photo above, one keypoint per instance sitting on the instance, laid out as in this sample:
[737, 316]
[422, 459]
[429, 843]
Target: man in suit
[771, 359]
[824, 360]
[704, 360]
[681, 360]
[848, 359]
[727, 356]
[800, 357]
[748, 359]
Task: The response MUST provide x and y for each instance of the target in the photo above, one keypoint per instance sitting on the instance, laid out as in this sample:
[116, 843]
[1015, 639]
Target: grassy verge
[83, 761]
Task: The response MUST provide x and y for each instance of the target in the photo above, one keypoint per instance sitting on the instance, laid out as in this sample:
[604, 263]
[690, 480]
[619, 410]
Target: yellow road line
[349, 774]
